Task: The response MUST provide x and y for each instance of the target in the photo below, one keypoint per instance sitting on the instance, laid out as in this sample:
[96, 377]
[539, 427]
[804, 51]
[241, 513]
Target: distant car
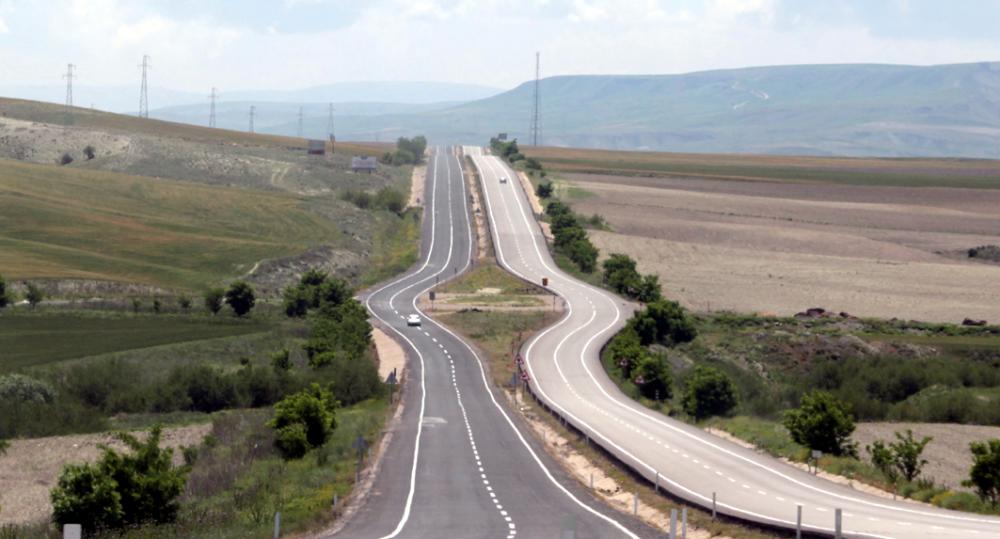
[413, 320]
[503, 179]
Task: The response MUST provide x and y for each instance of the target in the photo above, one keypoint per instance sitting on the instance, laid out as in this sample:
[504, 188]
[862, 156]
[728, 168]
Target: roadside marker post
[277, 524]
[635, 503]
[684, 523]
[72, 531]
[656, 487]
[837, 520]
[798, 522]
[591, 480]
[713, 506]
[673, 524]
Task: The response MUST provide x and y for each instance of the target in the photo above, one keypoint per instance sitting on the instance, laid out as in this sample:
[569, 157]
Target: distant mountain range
[856, 110]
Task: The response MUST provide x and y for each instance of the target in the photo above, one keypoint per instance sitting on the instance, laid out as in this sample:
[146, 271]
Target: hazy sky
[250, 44]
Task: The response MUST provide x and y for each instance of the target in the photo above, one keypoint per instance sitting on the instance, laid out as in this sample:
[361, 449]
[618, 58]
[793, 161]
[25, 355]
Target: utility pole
[253, 109]
[300, 122]
[330, 133]
[211, 109]
[534, 115]
[143, 91]
[69, 91]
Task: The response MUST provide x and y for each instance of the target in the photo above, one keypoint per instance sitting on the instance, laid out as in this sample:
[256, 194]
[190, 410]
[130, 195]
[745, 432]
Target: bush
[390, 199]
[822, 423]
[5, 298]
[544, 190]
[184, 302]
[213, 300]
[303, 420]
[34, 295]
[984, 476]
[297, 301]
[65, 159]
[121, 489]
[352, 379]
[652, 377]
[89, 152]
[708, 392]
[532, 164]
[414, 147]
[240, 297]
[403, 157]
[665, 322]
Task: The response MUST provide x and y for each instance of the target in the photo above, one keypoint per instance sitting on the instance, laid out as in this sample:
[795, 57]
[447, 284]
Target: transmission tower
[300, 122]
[253, 110]
[534, 113]
[69, 91]
[211, 109]
[143, 91]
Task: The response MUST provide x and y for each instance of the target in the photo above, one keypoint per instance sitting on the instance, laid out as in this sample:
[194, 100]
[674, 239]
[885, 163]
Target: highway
[460, 464]
[565, 372]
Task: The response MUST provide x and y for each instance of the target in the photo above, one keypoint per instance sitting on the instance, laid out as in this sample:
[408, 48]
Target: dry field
[948, 454]
[781, 247]
[31, 467]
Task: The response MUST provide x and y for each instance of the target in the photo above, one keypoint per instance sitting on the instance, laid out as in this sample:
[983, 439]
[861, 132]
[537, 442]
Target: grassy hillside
[858, 110]
[971, 173]
[71, 223]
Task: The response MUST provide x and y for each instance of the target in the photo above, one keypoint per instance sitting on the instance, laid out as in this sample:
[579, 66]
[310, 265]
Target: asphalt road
[564, 365]
[460, 463]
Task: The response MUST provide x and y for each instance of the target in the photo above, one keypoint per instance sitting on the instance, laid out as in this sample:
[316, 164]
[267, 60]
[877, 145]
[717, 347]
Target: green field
[62, 223]
[32, 339]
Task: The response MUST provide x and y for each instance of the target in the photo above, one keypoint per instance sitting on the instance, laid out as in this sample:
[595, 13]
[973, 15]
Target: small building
[317, 147]
[364, 163]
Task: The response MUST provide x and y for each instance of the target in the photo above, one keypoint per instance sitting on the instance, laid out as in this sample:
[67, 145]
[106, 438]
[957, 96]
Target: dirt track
[780, 248]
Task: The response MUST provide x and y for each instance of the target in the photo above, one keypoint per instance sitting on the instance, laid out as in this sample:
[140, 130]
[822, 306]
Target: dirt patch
[417, 181]
[270, 277]
[31, 467]
[948, 454]
[391, 356]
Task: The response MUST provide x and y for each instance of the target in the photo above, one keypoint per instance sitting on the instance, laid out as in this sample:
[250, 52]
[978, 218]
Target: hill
[171, 206]
[854, 110]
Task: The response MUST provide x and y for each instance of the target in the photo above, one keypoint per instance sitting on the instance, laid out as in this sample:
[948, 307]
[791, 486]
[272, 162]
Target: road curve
[565, 369]
[459, 463]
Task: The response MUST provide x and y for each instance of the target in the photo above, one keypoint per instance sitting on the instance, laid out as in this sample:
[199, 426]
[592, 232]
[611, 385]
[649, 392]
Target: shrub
[822, 423]
[34, 295]
[121, 489]
[532, 164]
[652, 377]
[4, 294]
[297, 301]
[240, 297]
[65, 159]
[390, 199]
[184, 302]
[665, 322]
[281, 360]
[352, 379]
[303, 420]
[89, 152]
[883, 458]
[984, 476]
[907, 453]
[544, 190]
[708, 392]
[213, 300]
[414, 147]
[157, 305]
[403, 157]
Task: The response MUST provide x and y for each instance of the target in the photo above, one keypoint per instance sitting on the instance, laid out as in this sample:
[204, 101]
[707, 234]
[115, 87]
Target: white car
[413, 320]
[503, 179]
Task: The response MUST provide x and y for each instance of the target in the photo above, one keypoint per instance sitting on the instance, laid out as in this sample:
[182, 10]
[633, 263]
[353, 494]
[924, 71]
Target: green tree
[652, 377]
[213, 300]
[907, 452]
[625, 351]
[984, 476]
[403, 157]
[884, 459]
[89, 152]
[650, 291]
[822, 423]
[157, 305]
[544, 190]
[4, 293]
[240, 297]
[34, 295]
[122, 489]
[584, 254]
[620, 273]
[708, 392]
[281, 360]
[184, 302]
[297, 301]
[308, 414]
[666, 322]
[390, 199]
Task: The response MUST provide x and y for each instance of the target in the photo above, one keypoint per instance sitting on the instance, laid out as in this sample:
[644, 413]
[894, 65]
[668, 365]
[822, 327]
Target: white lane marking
[557, 274]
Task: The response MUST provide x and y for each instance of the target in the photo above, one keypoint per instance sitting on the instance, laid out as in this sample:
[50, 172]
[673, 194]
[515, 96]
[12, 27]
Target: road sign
[433, 295]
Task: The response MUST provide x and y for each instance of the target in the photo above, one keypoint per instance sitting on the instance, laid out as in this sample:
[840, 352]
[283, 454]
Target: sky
[288, 44]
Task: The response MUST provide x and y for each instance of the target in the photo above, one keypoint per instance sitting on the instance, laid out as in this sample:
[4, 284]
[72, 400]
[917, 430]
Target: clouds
[239, 44]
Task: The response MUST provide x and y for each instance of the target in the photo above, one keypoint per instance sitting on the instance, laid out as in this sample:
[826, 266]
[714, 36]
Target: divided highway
[565, 370]
[460, 464]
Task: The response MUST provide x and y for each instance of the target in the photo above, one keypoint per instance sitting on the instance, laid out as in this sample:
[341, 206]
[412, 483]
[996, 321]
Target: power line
[69, 91]
[534, 115]
[300, 122]
[143, 91]
[253, 110]
[211, 110]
